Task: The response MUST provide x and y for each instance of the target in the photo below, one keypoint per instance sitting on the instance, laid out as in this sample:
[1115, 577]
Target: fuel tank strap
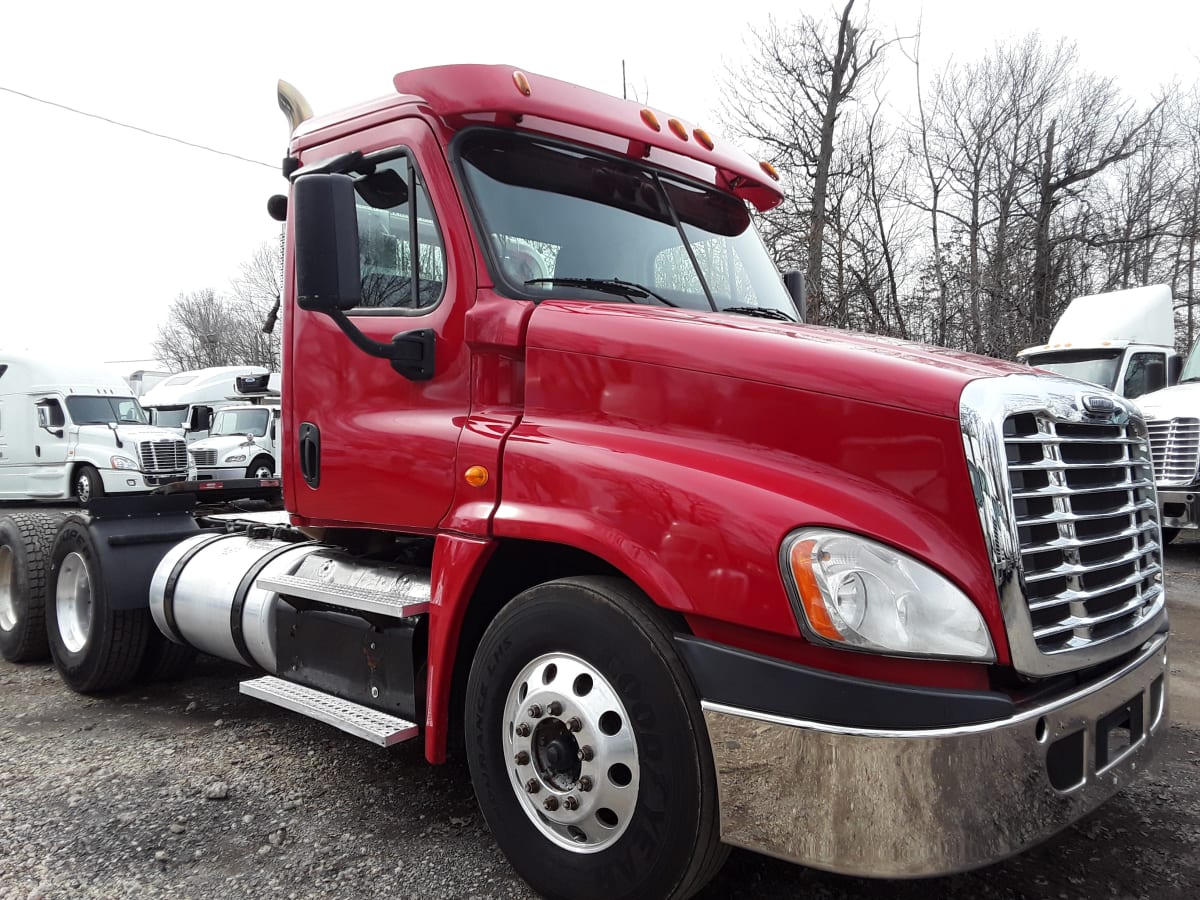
[168, 604]
[236, 630]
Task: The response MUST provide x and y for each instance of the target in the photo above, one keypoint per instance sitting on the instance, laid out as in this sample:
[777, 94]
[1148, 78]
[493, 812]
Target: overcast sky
[101, 227]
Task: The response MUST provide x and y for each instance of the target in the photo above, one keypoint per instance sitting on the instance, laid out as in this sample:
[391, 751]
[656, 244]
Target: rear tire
[26, 539]
[617, 745]
[87, 484]
[95, 647]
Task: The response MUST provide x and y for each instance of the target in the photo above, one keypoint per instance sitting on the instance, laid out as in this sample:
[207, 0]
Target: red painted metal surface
[683, 447]
[457, 564]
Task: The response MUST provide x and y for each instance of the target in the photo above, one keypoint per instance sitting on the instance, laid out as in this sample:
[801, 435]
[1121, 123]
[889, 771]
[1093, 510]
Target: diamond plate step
[360, 721]
[345, 595]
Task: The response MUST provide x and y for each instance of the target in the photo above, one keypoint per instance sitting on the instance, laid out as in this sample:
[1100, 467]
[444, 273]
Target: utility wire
[165, 137]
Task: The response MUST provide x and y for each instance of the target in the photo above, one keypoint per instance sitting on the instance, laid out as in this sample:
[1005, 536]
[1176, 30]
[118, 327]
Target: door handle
[310, 454]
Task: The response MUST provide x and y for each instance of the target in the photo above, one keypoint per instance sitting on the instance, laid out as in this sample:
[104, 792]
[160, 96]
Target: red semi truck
[570, 486]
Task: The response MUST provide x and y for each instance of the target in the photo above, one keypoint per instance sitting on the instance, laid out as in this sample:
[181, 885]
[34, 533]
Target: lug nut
[574, 724]
[586, 753]
[532, 786]
[550, 804]
[571, 802]
[535, 712]
[555, 708]
[521, 759]
[523, 729]
[585, 784]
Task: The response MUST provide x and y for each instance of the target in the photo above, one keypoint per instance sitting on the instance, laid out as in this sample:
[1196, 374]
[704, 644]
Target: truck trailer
[673, 570]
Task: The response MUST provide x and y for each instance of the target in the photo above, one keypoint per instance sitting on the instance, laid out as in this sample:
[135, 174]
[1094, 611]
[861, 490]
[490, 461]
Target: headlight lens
[124, 462]
[235, 458]
[850, 591]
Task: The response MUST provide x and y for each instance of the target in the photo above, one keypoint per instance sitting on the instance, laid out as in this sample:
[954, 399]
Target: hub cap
[8, 590]
[83, 488]
[73, 602]
[572, 754]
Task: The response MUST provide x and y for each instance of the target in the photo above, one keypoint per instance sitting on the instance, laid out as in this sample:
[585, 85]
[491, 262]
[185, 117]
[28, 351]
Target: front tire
[87, 484]
[261, 467]
[25, 542]
[589, 755]
[94, 646]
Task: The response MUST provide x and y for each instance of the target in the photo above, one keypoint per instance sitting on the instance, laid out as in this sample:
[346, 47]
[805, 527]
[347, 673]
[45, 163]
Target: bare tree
[204, 328]
[788, 100]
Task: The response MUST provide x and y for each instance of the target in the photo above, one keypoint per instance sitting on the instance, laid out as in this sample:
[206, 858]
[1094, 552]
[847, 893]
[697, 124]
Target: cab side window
[401, 255]
[1146, 372]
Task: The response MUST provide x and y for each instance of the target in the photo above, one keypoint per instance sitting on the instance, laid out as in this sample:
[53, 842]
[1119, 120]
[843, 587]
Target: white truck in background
[70, 431]
[243, 440]
[1121, 340]
[186, 402]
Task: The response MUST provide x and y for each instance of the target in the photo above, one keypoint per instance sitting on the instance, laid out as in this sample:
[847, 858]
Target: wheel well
[515, 566]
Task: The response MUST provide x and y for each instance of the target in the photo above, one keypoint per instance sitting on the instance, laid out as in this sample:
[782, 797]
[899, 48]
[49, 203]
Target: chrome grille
[1083, 497]
[1063, 481]
[163, 456]
[204, 457]
[1175, 445]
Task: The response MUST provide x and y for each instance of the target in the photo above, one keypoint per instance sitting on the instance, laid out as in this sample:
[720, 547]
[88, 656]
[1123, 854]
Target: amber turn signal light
[476, 476]
[810, 593]
[522, 83]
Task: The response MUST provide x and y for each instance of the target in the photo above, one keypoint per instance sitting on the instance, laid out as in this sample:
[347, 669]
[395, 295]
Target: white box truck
[70, 431]
[1121, 340]
[243, 441]
[186, 402]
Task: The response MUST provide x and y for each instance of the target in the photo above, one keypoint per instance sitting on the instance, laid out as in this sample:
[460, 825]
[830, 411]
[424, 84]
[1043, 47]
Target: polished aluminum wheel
[573, 757]
[8, 588]
[73, 602]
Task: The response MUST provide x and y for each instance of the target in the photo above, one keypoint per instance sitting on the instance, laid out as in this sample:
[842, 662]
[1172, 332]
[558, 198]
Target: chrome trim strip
[893, 804]
[983, 408]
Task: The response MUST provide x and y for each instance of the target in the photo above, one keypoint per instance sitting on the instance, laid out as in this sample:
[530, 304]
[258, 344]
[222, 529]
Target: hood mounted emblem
[1097, 405]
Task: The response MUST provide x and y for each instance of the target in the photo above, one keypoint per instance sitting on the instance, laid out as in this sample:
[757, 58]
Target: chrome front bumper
[902, 804]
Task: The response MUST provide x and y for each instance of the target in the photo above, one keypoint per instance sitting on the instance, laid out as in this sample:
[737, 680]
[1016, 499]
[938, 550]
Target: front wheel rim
[8, 590]
[572, 756]
[83, 487]
[73, 602]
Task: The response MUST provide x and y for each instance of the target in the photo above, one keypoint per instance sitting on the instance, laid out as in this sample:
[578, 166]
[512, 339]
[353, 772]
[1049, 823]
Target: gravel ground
[194, 791]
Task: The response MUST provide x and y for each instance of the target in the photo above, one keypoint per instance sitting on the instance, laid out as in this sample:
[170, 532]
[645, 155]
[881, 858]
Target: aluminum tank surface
[202, 581]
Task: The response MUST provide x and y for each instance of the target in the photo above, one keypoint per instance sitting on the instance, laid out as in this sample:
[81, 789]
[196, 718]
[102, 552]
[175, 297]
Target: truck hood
[1178, 402]
[222, 443]
[134, 434]
[872, 369]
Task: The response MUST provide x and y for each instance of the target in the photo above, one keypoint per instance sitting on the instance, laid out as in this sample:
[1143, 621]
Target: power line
[165, 137]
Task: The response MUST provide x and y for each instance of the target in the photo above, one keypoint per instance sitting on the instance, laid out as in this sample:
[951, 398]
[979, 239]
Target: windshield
[1097, 366]
[241, 421]
[102, 410]
[1191, 368]
[567, 222]
[168, 416]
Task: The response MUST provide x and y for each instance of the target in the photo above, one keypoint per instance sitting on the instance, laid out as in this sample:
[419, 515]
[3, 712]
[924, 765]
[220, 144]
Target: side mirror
[50, 418]
[793, 280]
[200, 418]
[327, 268]
[271, 431]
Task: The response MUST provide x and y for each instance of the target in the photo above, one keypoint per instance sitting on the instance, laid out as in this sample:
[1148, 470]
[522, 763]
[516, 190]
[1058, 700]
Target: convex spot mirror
[50, 417]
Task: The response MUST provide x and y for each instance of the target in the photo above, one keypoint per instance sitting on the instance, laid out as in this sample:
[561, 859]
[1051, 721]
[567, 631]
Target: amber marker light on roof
[522, 83]
[769, 169]
[810, 593]
[651, 119]
[702, 138]
[476, 476]
[679, 128]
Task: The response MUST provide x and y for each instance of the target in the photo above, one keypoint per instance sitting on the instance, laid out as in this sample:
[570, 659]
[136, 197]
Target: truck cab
[243, 439]
[1121, 340]
[186, 401]
[73, 432]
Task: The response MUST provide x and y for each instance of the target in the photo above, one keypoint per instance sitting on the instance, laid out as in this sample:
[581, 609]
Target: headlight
[850, 591]
[235, 458]
[124, 462]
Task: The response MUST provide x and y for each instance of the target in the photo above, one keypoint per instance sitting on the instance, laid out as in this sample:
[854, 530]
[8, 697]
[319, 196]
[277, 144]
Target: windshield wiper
[1189, 379]
[762, 312]
[627, 289]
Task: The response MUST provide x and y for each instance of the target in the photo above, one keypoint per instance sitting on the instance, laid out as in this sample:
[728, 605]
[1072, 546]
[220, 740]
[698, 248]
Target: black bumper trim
[750, 681]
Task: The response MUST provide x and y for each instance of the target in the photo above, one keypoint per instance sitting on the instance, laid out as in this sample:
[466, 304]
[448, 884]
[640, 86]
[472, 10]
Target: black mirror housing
[326, 241]
[793, 280]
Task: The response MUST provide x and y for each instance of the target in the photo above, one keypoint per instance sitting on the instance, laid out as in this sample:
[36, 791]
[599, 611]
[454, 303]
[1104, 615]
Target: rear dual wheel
[589, 756]
[25, 542]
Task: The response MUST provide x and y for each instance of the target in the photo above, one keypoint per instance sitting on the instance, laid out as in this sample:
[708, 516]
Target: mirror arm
[410, 353]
